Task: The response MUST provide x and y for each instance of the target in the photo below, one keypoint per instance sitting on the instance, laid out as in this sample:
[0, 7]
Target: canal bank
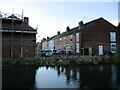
[62, 60]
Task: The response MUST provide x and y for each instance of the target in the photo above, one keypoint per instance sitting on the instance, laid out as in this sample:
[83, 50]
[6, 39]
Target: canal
[83, 76]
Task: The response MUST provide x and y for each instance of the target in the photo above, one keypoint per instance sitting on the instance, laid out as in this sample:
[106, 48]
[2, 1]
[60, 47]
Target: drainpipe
[80, 42]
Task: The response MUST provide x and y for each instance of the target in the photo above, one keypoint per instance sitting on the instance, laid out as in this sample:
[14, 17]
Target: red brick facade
[64, 43]
[91, 35]
[97, 35]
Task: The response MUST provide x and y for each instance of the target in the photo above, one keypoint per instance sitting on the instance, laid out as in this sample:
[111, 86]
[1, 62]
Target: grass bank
[62, 60]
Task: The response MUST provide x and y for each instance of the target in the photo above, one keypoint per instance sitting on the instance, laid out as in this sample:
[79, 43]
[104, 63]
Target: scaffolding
[15, 17]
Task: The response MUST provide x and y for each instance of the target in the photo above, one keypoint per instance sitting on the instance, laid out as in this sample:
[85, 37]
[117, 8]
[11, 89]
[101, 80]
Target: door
[100, 50]
[67, 48]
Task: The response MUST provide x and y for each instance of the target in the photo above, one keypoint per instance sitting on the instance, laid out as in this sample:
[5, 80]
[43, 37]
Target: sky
[53, 16]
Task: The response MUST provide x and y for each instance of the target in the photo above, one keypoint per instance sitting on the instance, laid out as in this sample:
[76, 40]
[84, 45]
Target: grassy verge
[62, 60]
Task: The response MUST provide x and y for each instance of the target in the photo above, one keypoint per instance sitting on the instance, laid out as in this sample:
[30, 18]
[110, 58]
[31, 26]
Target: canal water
[83, 76]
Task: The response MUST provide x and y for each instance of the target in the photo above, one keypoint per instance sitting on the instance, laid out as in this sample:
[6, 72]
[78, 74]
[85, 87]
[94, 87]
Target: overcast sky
[51, 17]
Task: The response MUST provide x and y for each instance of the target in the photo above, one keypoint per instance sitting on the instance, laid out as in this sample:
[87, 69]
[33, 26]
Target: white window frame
[64, 39]
[58, 47]
[71, 38]
[77, 47]
[77, 37]
[60, 39]
[113, 36]
[113, 49]
[71, 48]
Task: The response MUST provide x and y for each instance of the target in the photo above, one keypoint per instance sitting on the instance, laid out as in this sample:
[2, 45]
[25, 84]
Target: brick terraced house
[18, 38]
[97, 37]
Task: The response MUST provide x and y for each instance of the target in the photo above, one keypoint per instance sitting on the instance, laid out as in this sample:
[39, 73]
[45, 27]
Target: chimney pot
[67, 29]
[47, 38]
[26, 20]
[80, 24]
[58, 33]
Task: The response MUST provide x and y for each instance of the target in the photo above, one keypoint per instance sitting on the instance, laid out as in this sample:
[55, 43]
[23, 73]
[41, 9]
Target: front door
[67, 48]
[100, 50]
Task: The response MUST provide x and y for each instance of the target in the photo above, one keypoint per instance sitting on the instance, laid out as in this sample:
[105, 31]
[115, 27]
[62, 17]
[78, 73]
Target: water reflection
[18, 77]
[84, 76]
[95, 77]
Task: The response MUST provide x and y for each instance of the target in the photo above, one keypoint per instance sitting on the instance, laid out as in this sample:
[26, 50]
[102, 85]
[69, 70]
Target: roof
[18, 24]
[52, 37]
[15, 27]
[84, 27]
[75, 29]
[13, 16]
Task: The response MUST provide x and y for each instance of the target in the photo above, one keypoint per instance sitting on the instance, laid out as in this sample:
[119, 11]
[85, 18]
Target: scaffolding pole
[22, 38]
[12, 39]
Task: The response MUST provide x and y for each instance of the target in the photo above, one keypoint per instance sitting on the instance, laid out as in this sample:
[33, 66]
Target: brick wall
[62, 42]
[29, 44]
[98, 34]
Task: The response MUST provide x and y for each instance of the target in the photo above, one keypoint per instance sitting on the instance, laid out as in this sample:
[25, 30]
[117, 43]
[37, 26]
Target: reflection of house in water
[58, 71]
[72, 75]
[90, 76]
[95, 77]
[116, 75]
[18, 77]
[67, 72]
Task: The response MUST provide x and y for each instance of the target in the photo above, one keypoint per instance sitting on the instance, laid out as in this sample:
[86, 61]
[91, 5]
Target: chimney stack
[58, 33]
[80, 24]
[26, 21]
[47, 38]
[67, 29]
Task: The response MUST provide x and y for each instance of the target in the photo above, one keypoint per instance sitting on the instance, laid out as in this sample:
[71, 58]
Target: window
[113, 47]
[77, 47]
[64, 39]
[60, 40]
[57, 47]
[113, 36]
[77, 37]
[71, 48]
[71, 38]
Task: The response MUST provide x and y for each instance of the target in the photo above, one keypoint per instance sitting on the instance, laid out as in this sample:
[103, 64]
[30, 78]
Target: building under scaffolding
[18, 38]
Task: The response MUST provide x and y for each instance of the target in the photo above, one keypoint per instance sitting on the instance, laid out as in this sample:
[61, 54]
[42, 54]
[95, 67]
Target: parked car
[55, 52]
[41, 53]
[48, 53]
